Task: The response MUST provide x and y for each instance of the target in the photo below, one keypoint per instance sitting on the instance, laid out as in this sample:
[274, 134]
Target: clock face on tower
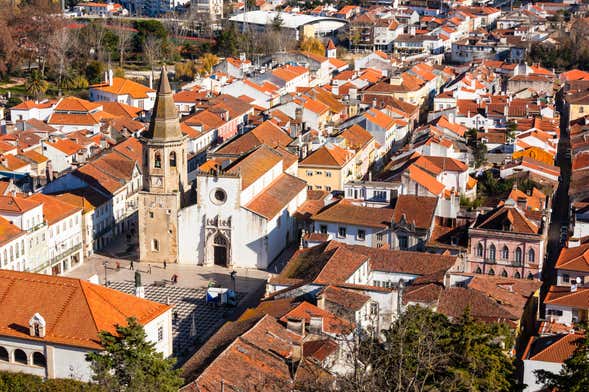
[156, 181]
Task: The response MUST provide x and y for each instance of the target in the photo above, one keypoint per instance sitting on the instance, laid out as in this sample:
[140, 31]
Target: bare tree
[152, 50]
[61, 41]
[125, 34]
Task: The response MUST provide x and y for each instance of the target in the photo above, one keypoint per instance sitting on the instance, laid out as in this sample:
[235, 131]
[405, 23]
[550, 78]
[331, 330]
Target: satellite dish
[579, 280]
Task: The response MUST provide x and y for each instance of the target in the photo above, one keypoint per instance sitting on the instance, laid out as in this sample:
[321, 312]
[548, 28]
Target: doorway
[220, 250]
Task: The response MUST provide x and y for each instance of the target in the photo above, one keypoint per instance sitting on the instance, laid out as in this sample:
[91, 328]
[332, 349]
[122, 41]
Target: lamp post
[105, 264]
[233, 275]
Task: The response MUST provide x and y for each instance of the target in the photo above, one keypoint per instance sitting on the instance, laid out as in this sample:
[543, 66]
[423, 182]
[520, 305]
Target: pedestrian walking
[165, 264]
[118, 266]
[174, 279]
[131, 265]
[149, 266]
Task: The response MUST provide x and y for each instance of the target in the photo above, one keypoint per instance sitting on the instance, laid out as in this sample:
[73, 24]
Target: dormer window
[37, 326]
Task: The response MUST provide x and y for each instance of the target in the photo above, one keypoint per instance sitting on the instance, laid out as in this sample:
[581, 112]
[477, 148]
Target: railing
[57, 258]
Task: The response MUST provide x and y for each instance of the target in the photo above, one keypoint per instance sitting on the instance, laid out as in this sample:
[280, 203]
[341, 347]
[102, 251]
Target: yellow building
[328, 168]
[535, 153]
[363, 144]
[578, 103]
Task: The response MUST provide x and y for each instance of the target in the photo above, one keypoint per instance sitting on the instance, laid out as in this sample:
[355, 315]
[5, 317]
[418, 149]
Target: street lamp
[233, 275]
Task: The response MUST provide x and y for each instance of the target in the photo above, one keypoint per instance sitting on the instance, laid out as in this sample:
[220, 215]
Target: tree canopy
[424, 351]
[130, 363]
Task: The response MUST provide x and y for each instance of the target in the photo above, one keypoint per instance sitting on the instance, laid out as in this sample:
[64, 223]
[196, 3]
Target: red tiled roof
[276, 196]
[329, 155]
[345, 212]
[75, 310]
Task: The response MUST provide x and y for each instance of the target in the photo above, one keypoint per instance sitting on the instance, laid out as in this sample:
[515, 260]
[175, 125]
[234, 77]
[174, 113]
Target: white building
[50, 323]
[123, 90]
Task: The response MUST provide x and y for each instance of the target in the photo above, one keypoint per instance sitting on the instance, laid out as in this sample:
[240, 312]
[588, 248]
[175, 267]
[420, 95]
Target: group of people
[173, 279]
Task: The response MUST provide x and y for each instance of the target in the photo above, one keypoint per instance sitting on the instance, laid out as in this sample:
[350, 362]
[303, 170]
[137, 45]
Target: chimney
[150, 81]
[316, 324]
[299, 115]
[295, 325]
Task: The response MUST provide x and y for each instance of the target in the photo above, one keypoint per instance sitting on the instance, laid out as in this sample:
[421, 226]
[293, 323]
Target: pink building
[508, 241]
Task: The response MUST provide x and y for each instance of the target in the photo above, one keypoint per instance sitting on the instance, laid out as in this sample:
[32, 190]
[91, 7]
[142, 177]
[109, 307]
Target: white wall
[529, 376]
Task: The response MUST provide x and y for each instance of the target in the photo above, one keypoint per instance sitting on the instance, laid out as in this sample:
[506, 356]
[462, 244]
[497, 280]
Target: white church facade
[238, 214]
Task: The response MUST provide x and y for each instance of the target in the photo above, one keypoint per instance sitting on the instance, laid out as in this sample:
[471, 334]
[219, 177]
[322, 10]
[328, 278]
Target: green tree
[277, 22]
[424, 351]
[36, 85]
[130, 363]
[574, 375]
[228, 41]
[95, 71]
[479, 149]
[21, 382]
[478, 361]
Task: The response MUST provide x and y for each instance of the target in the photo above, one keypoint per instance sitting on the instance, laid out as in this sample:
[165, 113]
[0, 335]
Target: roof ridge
[82, 287]
[564, 336]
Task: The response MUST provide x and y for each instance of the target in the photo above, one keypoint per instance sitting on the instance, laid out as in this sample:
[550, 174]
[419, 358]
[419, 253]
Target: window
[323, 229]
[403, 242]
[504, 274]
[379, 236]
[361, 235]
[151, 214]
[566, 278]
[327, 174]
[155, 245]
[517, 275]
[380, 195]
[531, 255]
[160, 333]
[173, 159]
[39, 359]
[505, 253]
[480, 250]
[328, 188]
[479, 271]
[20, 357]
[318, 172]
[492, 251]
[157, 162]
[3, 354]
[491, 271]
[373, 308]
[581, 109]
[341, 232]
[518, 256]
[309, 173]
[554, 312]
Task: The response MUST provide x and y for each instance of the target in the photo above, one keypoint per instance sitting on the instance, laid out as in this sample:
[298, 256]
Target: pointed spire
[165, 124]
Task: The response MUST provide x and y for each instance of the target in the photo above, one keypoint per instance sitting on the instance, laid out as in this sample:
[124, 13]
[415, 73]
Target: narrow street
[560, 206]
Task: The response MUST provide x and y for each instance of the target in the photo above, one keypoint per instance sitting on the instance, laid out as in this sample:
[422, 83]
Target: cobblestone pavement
[193, 321]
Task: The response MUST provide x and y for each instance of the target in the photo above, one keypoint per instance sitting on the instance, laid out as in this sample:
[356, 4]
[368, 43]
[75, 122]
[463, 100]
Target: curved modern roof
[291, 21]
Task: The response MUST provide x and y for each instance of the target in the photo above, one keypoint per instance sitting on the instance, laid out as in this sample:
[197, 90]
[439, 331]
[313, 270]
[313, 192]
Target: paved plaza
[194, 320]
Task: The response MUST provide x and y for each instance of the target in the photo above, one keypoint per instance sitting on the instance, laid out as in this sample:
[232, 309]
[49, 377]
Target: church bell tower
[164, 179]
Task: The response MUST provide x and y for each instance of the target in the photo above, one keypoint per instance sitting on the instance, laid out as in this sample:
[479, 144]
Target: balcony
[59, 257]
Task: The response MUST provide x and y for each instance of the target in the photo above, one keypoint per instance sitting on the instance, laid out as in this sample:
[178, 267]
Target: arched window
[220, 240]
[505, 253]
[518, 256]
[480, 250]
[517, 275]
[157, 161]
[504, 274]
[20, 356]
[492, 252]
[173, 159]
[491, 271]
[39, 359]
[531, 255]
[4, 354]
[479, 271]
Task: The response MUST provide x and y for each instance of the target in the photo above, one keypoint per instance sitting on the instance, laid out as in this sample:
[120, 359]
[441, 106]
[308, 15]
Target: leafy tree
[424, 351]
[130, 363]
[479, 149]
[228, 41]
[95, 71]
[21, 382]
[208, 61]
[574, 375]
[36, 85]
[313, 45]
[478, 362]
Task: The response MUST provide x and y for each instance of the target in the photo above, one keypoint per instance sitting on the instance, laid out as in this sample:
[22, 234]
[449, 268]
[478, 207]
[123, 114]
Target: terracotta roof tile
[75, 310]
[328, 155]
[347, 299]
[555, 348]
[8, 231]
[122, 86]
[254, 165]
[416, 210]
[276, 196]
[54, 209]
[345, 212]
